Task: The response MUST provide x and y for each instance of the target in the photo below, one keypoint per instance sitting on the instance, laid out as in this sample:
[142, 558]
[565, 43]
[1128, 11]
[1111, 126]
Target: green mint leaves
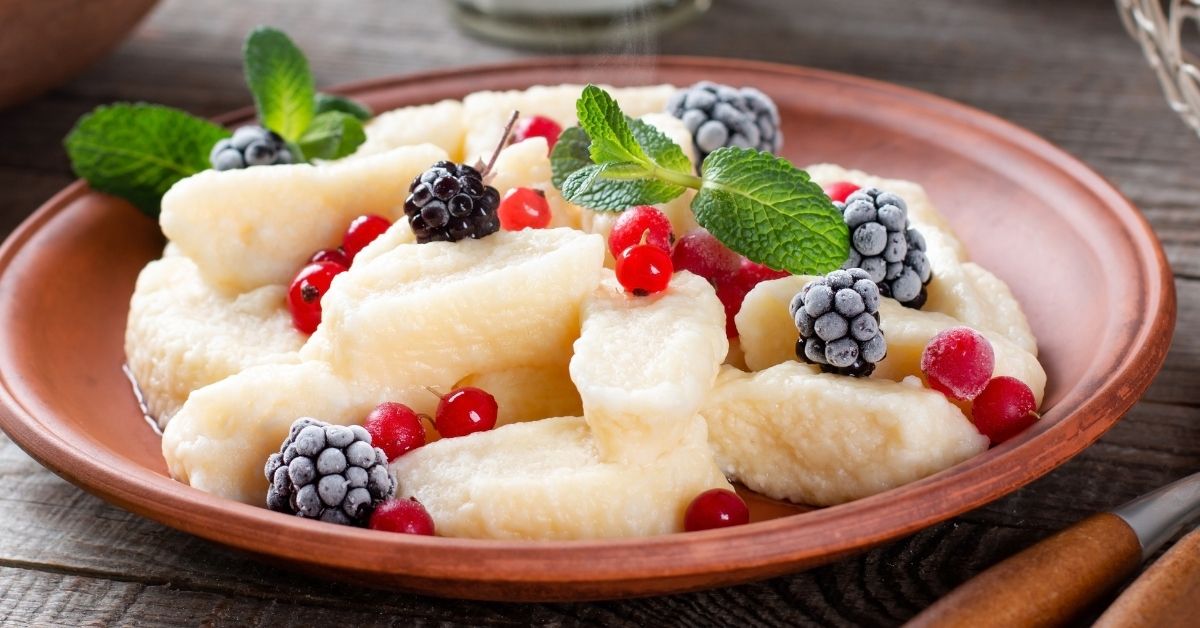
[757, 204]
[764, 208]
[323, 126]
[279, 79]
[138, 151]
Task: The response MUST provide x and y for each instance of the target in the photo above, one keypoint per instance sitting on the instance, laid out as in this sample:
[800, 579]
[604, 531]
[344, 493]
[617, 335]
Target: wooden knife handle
[1168, 594]
[1047, 584]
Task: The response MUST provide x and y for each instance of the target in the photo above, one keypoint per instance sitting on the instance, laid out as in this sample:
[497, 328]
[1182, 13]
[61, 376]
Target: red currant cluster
[398, 429]
[313, 281]
[958, 362]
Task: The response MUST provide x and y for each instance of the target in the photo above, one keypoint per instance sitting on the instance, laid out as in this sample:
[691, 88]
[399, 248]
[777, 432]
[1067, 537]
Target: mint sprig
[757, 204]
[138, 151]
[279, 79]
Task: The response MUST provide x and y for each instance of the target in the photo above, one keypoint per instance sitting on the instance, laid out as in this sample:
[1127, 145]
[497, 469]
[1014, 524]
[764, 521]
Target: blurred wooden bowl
[44, 43]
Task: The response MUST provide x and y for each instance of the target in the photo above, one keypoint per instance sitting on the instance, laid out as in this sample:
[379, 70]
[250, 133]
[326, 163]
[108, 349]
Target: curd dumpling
[254, 227]
[821, 439]
[182, 334]
[440, 124]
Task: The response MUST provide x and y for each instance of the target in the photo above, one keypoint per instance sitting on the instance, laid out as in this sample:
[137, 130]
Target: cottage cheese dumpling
[254, 227]
[220, 439]
[823, 439]
[546, 480]
[769, 336]
[437, 312]
[182, 334]
[440, 124]
[529, 393]
[643, 365]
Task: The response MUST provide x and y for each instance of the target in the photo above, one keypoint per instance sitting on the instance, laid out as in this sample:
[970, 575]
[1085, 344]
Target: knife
[1055, 579]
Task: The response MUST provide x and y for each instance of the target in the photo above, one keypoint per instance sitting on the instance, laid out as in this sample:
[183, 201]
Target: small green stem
[678, 178]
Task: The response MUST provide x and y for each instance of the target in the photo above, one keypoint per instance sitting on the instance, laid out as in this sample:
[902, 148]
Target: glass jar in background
[575, 25]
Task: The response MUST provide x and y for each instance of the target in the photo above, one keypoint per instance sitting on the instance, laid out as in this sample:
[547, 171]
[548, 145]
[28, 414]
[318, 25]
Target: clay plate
[1088, 269]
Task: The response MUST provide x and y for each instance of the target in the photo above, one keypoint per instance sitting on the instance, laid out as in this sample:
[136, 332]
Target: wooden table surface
[1064, 69]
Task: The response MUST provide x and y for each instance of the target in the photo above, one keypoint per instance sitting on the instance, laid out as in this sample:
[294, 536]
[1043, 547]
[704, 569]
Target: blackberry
[328, 472]
[720, 115]
[250, 146]
[838, 319]
[450, 202]
[886, 246]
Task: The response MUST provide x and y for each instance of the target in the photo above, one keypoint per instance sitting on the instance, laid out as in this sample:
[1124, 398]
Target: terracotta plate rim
[780, 545]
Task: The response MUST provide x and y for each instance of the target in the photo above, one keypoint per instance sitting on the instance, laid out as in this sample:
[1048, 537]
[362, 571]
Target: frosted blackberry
[720, 115]
[328, 472]
[838, 319]
[250, 146]
[450, 202]
[886, 246]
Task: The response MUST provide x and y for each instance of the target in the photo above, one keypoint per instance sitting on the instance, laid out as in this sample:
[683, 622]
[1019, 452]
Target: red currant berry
[304, 295]
[840, 190]
[732, 293]
[395, 429]
[406, 516]
[1004, 408]
[958, 362]
[754, 273]
[363, 231]
[699, 253]
[715, 508]
[465, 411]
[537, 126]
[337, 256]
[644, 269]
[523, 208]
[640, 222]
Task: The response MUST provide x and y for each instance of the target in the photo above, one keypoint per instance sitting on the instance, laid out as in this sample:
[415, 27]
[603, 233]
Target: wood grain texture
[1063, 69]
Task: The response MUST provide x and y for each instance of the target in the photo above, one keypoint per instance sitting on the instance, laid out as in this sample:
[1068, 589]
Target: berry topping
[395, 429]
[304, 295]
[1004, 408]
[449, 202]
[840, 190]
[637, 222]
[537, 126]
[753, 273]
[702, 254]
[883, 244]
[465, 411]
[328, 472]
[406, 516]
[720, 115]
[958, 362]
[335, 256]
[733, 288]
[644, 269]
[715, 508]
[363, 231]
[524, 208]
[838, 319]
[249, 146]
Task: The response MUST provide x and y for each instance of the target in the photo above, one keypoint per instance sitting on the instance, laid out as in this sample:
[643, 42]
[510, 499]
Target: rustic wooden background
[1064, 69]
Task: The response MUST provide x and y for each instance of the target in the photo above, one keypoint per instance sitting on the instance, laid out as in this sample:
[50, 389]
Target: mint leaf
[761, 206]
[607, 127]
[333, 102]
[278, 76]
[331, 135]
[661, 150]
[138, 151]
[570, 153]
[592, 187]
